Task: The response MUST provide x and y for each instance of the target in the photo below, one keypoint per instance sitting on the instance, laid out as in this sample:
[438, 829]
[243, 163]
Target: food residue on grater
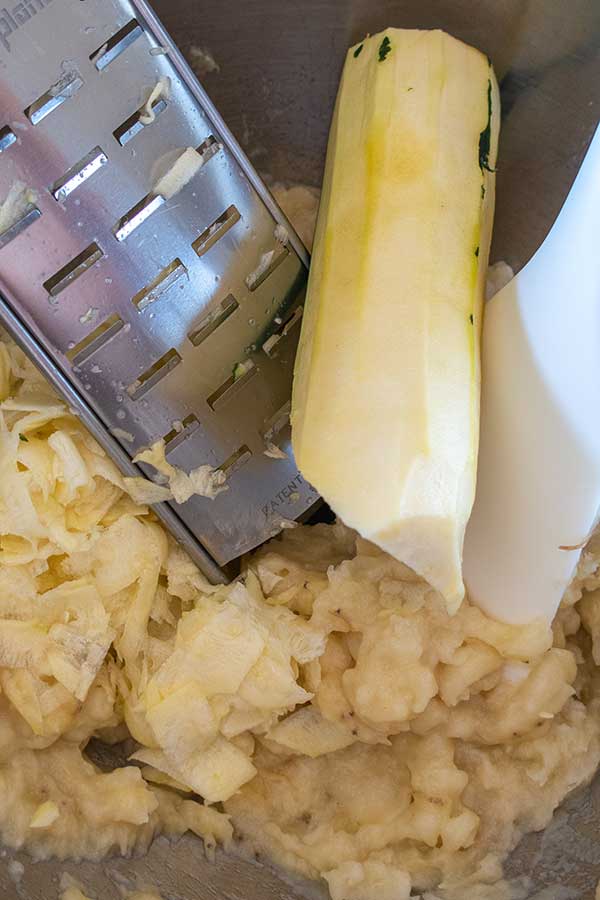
[204, 481]
[242, 368]
[275, 452]
[160, 91]
[281, 234]
[99, 52]
[89, 315]
[179, 174]
[288, 524]
[265, 261]
[18, 200]
[123, 435]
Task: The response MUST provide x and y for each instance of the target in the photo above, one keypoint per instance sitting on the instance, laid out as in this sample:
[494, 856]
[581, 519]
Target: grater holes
[73, 269]
[214, 320]
[7, 138]
[276, 424]
[154, 200]
[216, 230]
[267, 265]
[117, 44]
[137, 215]
[180, 432]
[79, 173]
[271, 344]
[133, 125]
[30, 215]
[242, 374]
[234, 462]
[62, 90]
[208, 148]
[159, 285]
[94, 341]
[151, 377]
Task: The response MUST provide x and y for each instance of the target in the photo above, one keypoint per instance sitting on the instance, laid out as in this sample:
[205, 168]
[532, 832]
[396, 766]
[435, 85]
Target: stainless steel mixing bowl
[279, 65]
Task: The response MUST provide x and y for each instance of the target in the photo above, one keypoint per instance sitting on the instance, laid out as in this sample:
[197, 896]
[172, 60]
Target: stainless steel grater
[154, 318]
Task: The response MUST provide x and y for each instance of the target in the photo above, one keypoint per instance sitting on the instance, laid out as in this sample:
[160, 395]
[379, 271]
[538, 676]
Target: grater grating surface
[140, 309]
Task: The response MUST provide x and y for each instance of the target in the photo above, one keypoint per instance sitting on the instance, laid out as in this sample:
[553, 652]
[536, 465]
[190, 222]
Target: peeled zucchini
[385, 410]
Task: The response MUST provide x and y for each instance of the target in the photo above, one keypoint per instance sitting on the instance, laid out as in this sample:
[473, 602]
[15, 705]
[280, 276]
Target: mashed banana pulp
[324, 709]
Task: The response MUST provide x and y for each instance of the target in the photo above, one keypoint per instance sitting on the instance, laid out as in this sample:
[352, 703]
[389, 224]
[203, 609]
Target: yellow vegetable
[385, 410]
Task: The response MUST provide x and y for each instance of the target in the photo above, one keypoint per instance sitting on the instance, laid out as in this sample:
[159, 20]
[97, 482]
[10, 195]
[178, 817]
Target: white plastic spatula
[538, 488]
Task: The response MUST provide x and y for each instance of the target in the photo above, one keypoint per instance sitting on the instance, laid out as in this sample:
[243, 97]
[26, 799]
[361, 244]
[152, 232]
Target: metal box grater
[139, 309]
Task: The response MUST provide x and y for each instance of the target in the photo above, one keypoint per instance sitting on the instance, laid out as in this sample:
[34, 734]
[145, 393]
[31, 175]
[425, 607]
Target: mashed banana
[326, 707]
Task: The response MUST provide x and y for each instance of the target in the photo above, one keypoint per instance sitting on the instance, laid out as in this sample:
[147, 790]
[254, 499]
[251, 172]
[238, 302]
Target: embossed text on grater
[155, 318]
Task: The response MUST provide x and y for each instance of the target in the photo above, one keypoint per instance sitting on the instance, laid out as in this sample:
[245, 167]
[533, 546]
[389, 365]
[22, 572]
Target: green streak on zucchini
[486, 135]
[358, 51]
[385, 47]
